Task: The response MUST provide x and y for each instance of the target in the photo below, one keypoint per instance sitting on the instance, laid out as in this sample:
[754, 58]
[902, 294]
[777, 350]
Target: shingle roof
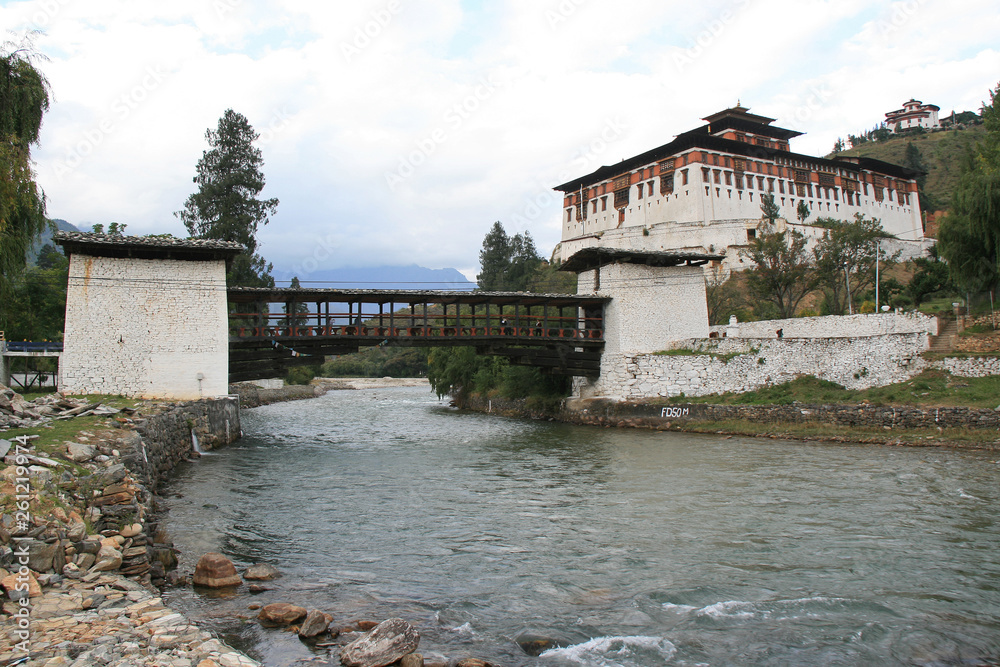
[146, 247]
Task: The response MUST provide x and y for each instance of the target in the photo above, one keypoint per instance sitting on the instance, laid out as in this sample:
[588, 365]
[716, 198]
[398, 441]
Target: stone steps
[945, 340]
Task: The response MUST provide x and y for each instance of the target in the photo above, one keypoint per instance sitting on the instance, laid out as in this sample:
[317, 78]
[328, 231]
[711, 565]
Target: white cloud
[487, 107]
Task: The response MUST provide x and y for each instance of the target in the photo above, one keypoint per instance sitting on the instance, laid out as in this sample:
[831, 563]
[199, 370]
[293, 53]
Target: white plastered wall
[153, 328]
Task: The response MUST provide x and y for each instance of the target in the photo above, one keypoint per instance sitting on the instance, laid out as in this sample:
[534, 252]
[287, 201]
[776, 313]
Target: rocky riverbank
[252, 396]
[80, 557]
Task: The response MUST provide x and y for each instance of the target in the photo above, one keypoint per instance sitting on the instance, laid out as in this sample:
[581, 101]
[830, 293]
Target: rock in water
[314, 624]
[261, 572]
[387, 643]
[215, 571]
[280, 613]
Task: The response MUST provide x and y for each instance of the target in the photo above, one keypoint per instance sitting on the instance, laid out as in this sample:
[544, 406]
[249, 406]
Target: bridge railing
[420, 331]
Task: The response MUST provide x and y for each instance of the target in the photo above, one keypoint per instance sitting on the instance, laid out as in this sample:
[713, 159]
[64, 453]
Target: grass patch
[53, 435]
[930, 389]
[688, 352]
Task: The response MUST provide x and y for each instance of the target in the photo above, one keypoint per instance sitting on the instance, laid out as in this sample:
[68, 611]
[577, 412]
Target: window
[649, 188]
[604, 203]
[569, 215]
[622, 182]
[595, 206]
[781, 187]
[705, 171]
[684, 177]
[639, 186]
[751, 234]
[800, 190]
[621, 198]
[666, 184]
[729, 178]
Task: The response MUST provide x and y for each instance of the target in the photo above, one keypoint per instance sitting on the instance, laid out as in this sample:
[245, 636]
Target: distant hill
[941, 152]
[46, 237]
[411, 277]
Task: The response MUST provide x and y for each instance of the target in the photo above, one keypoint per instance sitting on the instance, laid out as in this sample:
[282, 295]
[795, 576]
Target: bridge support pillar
[651, 309]
[145, 316]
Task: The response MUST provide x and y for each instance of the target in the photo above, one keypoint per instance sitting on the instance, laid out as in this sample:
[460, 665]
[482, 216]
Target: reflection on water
[625, 547]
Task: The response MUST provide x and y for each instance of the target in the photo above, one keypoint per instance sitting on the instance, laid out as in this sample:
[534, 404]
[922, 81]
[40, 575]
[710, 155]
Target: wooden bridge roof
[319, 295]
[596, 257]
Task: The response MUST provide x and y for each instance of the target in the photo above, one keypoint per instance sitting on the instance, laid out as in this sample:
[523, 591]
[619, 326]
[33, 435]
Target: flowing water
[627, 547]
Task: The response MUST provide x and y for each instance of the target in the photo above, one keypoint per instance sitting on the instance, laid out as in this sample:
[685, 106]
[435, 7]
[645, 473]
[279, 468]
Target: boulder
[79, 452]
[314, 624]
[281, 613]
[261, 572]
[13, 582]
[40, 555]
[473, 662]
[412, 660]
[215, 571]
[387, 643]
[108, 559]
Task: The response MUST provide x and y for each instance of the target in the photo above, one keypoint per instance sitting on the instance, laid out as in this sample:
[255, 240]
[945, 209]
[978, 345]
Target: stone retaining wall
[833, 326]
[601, 412]
[838, 415]
[740, 365]
[253, 396]
[161, 441]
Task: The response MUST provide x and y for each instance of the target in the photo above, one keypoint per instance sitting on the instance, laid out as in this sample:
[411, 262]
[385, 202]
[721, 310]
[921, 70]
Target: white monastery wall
[833, 326]
[146, 328]
[716, 215]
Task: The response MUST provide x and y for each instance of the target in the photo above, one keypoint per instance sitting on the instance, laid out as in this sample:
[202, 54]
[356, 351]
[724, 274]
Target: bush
[867, 307]
[300, 375]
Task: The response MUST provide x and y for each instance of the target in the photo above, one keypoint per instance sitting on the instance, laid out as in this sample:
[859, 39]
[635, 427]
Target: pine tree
[226, 205]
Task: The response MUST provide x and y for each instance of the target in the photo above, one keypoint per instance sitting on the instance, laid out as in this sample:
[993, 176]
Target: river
[628, 547]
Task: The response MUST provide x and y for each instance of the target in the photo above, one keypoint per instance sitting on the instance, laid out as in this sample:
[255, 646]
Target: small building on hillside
[913, 114]
[146, 316]
[702, 192]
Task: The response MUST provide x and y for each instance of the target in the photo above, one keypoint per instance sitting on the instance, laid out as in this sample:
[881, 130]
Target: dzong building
[702, 192]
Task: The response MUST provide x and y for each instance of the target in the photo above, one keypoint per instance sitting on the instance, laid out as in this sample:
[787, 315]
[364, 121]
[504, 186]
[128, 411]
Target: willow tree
[226, 206]
[24, 99]
[969, 237]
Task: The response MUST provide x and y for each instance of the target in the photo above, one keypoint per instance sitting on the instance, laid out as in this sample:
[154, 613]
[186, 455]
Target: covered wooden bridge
[273, 329]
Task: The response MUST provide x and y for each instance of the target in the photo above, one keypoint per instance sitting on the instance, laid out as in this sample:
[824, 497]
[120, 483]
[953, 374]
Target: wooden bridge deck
[272, 329]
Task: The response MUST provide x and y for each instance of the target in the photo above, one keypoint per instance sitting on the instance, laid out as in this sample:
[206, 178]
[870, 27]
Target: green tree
[931, 276]
[226, 205]
[295, 311]
[24, 99]
[507, 263]
[781, 274]
[969, 237]
[847, 254]
[802, 211]
[769, 210]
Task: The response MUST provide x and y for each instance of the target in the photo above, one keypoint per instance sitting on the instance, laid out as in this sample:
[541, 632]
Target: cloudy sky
[398, 131]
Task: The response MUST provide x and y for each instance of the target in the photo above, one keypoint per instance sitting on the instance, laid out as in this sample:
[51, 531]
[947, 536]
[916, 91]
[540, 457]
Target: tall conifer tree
[226, 205]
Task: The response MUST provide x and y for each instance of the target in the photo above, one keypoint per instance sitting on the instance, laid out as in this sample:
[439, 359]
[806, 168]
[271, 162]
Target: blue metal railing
[26, 346]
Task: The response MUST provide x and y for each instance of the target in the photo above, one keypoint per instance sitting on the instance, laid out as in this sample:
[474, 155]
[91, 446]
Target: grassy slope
[941, 151]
